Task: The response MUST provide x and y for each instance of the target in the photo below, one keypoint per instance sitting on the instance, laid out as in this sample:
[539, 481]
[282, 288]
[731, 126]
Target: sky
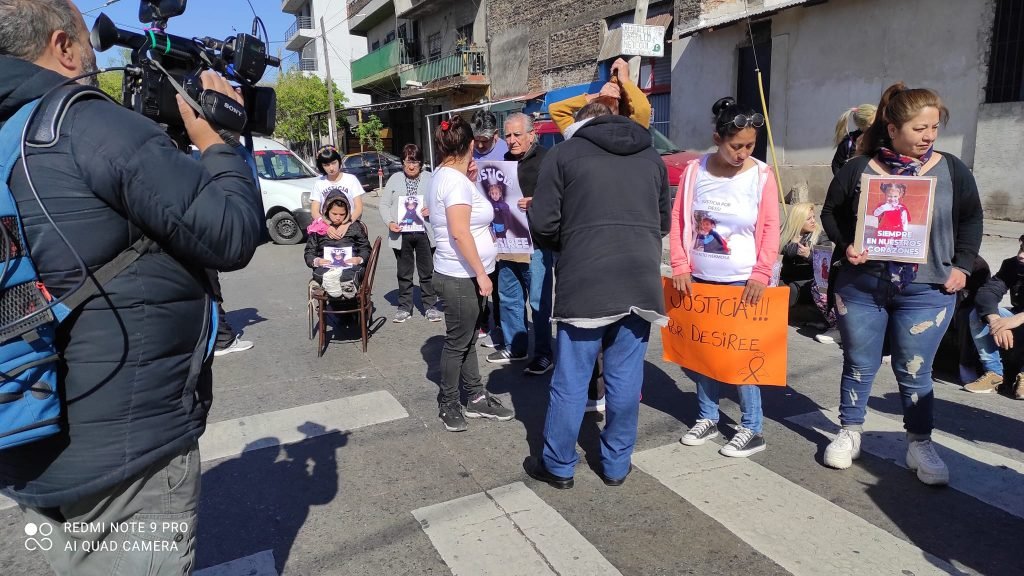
[214, 18]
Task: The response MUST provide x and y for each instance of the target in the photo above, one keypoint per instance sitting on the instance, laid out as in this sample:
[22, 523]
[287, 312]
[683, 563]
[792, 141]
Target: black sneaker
[503, 356]
[451, 416]
[536, 470]
[487, 406]
[701, 432]
[539, 365]
[743, 444]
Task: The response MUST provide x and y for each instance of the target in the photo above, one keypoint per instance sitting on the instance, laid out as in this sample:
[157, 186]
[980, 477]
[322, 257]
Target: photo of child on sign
[412, 217]
[894, 219]
[499, 181]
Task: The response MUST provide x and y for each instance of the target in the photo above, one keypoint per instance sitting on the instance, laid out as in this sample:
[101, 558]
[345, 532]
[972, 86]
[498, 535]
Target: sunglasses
[741, 121]
[328, 149]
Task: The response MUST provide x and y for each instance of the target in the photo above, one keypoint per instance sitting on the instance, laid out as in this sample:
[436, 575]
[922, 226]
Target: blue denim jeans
[915, 319]
[988, 351]
[624, 344]
[752, 417]
[517, 282]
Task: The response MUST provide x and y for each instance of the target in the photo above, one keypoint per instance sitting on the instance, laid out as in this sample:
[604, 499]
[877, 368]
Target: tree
[369, 133]
[110, 82]
[298, 96]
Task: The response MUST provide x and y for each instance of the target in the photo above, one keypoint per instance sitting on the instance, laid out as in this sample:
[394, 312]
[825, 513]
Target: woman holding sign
[727, 199]
[911, 303]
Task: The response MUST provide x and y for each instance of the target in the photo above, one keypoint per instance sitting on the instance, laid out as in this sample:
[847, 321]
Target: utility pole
[330, 83]
[640, 19]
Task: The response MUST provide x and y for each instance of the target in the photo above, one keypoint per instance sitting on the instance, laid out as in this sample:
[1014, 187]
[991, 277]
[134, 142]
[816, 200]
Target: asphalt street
[338, 465]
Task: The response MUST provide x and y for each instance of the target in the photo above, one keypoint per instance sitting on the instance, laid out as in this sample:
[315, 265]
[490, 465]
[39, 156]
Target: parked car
[365, 165]
[674, 157]
[286, 183]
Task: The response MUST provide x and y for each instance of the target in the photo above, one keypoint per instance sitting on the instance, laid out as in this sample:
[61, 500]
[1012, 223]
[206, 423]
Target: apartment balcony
[414, 9]
[465, 68]
[379, 69]
[300, 33]
[292, 6]
[363, 15]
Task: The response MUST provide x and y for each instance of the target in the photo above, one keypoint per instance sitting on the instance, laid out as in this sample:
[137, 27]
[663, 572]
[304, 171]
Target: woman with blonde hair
[800, 233]
[846, 141]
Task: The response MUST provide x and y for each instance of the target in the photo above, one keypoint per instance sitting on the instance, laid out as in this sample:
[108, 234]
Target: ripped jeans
[915, 319]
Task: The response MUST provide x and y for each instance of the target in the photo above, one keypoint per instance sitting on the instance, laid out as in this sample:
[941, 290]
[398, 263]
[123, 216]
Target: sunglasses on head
[328, 148]
[741, 121]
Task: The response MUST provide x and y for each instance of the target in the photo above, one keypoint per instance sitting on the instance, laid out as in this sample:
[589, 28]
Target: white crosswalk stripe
[509, 531]
[233, 437]
[981, 473]
[797, 529]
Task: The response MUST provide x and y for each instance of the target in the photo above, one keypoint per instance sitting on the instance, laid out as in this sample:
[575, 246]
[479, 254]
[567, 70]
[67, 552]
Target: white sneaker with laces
[922, 457]
[842, 451]
[701, 432]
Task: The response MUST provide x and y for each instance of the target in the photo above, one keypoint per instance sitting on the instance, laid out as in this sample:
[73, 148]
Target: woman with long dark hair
[464, 257]
[909, 303]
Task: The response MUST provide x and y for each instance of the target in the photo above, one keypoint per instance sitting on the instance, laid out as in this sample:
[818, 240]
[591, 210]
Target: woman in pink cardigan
[725, 230]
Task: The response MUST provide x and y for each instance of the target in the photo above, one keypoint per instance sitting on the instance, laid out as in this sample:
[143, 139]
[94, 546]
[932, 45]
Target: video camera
[159, 61]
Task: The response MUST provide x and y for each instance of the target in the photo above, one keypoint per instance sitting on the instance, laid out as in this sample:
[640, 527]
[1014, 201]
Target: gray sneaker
[237, 345]
[435, 315]
[487, 406]
[745, 443]
[401, 316]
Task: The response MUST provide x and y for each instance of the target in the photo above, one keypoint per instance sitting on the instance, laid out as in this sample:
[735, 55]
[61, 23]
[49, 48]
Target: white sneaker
[595, 405]
[842, 451]
[238, 345]
[484, 339]
[830, 336]
[922, 457]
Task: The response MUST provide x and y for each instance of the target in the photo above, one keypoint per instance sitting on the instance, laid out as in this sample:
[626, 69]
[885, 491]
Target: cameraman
[135, 385]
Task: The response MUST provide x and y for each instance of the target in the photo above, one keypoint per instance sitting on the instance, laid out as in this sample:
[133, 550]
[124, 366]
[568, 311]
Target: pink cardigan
[766, 227]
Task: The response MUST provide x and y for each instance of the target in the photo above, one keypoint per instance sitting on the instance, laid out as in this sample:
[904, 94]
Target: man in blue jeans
[602, 202]
[995, 328]
[525, 278]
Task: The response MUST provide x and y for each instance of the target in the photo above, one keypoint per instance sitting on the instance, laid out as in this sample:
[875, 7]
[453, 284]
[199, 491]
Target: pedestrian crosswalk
[975, 471]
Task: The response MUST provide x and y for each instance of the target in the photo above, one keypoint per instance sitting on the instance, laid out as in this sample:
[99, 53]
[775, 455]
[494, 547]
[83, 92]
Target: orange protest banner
[712, 332]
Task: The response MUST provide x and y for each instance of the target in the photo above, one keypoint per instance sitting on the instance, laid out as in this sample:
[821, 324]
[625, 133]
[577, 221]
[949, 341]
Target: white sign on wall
[640, 40]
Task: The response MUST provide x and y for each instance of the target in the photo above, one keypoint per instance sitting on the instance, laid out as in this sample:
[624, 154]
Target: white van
[286, 182]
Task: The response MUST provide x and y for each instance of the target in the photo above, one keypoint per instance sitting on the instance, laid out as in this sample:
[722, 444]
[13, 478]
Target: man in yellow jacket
[620, 94]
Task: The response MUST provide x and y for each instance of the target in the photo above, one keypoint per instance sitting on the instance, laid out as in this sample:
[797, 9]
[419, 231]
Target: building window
[465, 34]
[389, 38]
[434, 45]
[375, 46]
[1006, 66]
[402, 32]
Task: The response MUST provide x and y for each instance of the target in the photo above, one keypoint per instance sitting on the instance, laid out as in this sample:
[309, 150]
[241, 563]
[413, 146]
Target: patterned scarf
[901, 274]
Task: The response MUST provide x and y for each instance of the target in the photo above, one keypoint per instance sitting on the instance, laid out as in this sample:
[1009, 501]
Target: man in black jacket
[996, 328]
[134, 375]
[525, 278]
[602, 202]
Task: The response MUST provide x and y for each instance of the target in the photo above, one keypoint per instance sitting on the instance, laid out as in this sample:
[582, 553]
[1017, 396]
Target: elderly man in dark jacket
[525, 278]
[602, 201]
[134, 371]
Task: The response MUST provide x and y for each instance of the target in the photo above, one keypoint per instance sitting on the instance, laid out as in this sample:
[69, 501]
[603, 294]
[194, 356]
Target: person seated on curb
[800, 234]
[620, 95]
[994, 327]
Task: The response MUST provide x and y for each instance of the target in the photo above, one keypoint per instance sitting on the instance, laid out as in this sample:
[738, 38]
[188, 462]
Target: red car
[674, 158]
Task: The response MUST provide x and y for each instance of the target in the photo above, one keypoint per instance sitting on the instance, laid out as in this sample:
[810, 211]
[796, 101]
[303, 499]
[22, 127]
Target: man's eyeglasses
[741, 121]
[411, 162]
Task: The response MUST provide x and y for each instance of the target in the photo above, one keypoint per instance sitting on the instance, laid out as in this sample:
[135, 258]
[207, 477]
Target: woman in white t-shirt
[725, 230]
[328, 162]
[464, 256]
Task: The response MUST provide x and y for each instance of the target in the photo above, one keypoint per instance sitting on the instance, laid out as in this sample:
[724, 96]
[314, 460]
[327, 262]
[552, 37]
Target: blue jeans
[915, 319]
[516, 280]
[752, 416]
[624, 344]
[988, 351]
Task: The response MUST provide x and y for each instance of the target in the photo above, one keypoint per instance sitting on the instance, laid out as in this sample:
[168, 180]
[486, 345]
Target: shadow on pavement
[240, 517]
[243, 318]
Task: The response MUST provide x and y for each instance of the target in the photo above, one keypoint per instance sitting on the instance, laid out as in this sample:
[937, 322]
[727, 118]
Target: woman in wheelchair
[339, 282]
